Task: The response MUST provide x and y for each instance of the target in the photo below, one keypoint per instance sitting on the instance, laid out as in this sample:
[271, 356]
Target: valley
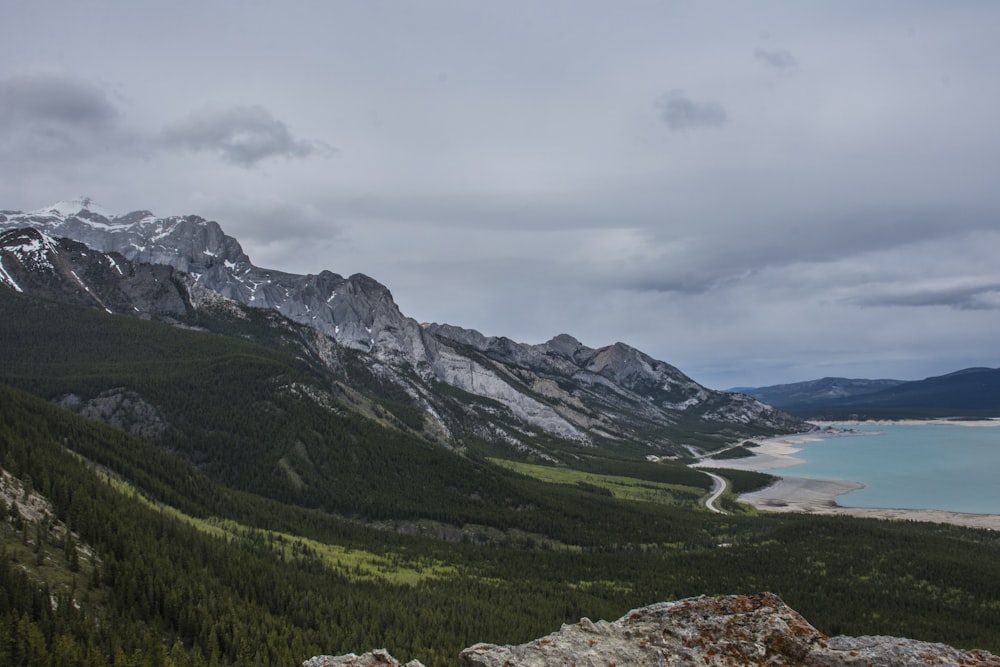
[226, 484]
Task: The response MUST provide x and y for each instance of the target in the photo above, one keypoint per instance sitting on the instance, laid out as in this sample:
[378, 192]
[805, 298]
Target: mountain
[188, 480]
[971, 392]
[116, 551]
[64, 270]
[357, 312]
[815, 392]
[518, 396]
[616, 392]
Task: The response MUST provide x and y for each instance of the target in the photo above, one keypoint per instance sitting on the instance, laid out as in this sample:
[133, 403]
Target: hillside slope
[163, 566]
[971, 392]
[520, 399]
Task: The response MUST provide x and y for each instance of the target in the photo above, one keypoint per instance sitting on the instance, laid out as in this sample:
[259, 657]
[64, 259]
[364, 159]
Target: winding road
[718, 488]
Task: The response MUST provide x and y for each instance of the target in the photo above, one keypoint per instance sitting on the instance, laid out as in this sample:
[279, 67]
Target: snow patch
[67, 209]
[6, 279]
[113, 264]
[33, 252]
[166, 232]
[110, 226]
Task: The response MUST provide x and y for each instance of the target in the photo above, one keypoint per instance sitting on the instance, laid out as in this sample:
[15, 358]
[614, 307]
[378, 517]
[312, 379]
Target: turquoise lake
[912, 466]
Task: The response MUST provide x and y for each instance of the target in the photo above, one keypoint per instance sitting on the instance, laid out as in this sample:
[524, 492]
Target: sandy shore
[819, 496]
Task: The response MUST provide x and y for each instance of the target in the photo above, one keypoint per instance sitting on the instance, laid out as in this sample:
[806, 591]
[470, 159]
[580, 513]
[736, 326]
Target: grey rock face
[560, 388]
[616, 391]
[725, 631]
[376, 658]
[730, 630]
[121, 408]
[33, 262]
[357, 312]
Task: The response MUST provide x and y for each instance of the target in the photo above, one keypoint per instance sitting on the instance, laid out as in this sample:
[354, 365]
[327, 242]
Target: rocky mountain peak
[561, 388]
[704, 632]
[567, 346]
[30, 246]
[84, 207]
[354, 311]
[67, 270]
[564, 343]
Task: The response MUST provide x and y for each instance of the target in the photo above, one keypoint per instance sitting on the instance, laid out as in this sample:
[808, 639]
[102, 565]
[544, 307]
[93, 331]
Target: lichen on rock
[728, 631]
[376, 658]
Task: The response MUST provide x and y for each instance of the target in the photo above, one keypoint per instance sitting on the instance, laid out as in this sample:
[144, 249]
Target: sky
[757, 193]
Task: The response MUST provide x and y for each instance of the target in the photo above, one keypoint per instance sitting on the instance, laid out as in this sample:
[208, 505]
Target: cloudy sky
[757, 192]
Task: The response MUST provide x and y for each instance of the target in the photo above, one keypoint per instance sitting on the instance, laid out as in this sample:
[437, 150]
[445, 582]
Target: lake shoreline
[810, 495]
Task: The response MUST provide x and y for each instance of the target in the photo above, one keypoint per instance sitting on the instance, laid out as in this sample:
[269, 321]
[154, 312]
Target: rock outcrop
[64, 270]
[377, 658]
[122, 408]
[614, 392]
[705, 631]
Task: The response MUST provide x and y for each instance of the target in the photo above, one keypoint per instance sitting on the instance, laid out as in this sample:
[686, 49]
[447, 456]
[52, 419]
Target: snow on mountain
[617, 391]
[65, 209]
[357, 312]
[66, 270]
[560, 388]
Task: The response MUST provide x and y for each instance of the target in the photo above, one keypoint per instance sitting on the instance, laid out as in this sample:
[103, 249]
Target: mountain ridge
[812, 391]
[260, 592]
[558, 389]
[968, 392]
[265, 490]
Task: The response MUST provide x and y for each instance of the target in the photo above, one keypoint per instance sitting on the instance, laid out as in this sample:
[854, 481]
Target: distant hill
[970, 392]
[816, 392]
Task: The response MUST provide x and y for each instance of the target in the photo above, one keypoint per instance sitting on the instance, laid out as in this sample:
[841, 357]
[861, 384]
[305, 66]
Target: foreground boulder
[377, 658]
[704, 631]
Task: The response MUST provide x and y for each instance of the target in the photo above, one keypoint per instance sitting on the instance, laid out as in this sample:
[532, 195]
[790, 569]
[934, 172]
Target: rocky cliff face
[706, 631]
[66, 270]
[357, 312]
[614, 392]
[560, 388]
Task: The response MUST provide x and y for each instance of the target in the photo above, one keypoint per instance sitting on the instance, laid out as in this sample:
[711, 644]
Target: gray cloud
[511, 173]
[681, 113]
[242, 135]
[53, 115]
[777, 58]
[271, 219]
[958, 297]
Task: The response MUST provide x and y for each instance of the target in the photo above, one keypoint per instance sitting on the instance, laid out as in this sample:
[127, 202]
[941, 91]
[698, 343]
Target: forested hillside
[264, 523]
[262, 420]
[968, 393]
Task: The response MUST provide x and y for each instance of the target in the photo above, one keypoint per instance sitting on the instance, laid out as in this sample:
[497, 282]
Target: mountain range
[191, 476]
[971, 392]
[517, 394]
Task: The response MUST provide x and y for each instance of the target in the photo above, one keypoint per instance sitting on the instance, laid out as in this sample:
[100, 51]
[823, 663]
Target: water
[925, 466]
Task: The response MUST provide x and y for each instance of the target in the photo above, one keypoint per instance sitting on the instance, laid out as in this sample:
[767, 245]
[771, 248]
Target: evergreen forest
[255, 508]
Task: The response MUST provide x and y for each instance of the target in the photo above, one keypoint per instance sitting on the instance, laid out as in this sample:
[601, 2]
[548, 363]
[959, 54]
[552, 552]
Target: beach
[819, 496]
